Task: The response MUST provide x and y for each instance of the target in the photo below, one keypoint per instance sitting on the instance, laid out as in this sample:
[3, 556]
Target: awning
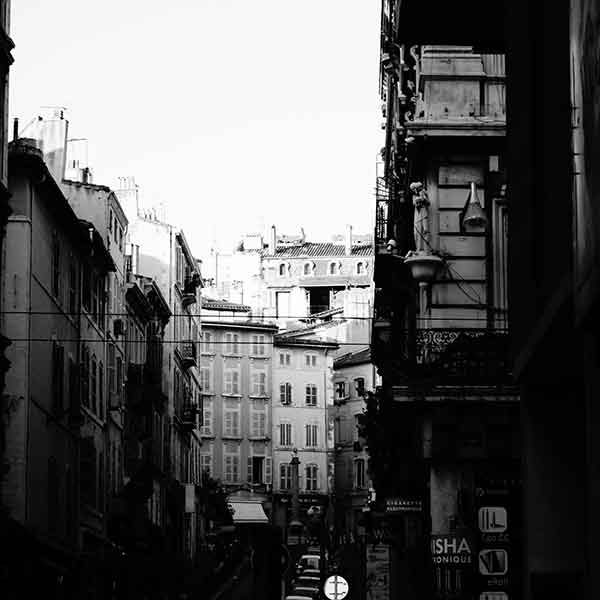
[248, 513]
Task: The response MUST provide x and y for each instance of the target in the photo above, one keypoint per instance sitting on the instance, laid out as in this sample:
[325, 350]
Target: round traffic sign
[336, 587]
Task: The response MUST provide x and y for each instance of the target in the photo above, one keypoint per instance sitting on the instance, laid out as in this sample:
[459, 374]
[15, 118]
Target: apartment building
[236, 372]
[302, 395]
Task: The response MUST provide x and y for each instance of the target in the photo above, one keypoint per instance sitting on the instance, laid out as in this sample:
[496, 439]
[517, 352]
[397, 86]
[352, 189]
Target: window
[258, 345]
[285, 434]
[259, 421]
[285, 476]
[333, 268]
[310, 360]
[312, 481]
[311, 395]
[282, 270]
[94, 386]
[284, 359]
[359, 473]
[88, 471]
[359, 386]
[207, 342]
[285, 393]
[307, 270]
[101, 404]
[206, 463]
[231, 422]
[111, 370]
[259, 383]
[232, 343]
[360, 268]
[206, 428]
[85, 376]
[55, 271]
[73, 289]
[232, 381]
[311, 435]
[340, 390]
[58, 369]
[205, 379]
[52, 500]
[355, 433]
[232, 468]
[119, 377]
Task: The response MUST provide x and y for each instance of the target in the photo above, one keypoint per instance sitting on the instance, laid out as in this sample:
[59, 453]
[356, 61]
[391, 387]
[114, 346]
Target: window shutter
[268, 471]
[249, 469]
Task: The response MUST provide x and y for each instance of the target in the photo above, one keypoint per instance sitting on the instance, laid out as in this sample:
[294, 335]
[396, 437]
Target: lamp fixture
[473, 218]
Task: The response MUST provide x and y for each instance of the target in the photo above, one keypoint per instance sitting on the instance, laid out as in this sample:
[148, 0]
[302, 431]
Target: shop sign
[403, 505]
[451, 550]
[493, 561]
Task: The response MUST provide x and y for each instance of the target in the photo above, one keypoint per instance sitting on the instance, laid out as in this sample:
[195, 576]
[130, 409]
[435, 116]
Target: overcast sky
[236, 114]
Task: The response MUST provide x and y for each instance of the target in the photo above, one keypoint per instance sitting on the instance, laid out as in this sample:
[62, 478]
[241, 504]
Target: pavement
[238, 586]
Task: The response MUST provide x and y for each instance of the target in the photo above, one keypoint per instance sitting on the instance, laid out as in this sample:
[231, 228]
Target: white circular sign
[336, 587]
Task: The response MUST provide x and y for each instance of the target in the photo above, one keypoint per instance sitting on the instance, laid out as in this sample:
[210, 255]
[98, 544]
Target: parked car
[310, 573]
[311, 592]
[293, 596]
[308, 561]
[308, 581]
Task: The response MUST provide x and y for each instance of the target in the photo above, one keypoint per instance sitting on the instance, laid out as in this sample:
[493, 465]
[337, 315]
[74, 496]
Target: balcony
[188, 354]
[470, 356]
[188, 416]
[461, 92]
[188, 296]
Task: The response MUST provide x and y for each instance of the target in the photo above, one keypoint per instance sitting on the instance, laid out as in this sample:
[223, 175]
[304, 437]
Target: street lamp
[473, 219]
[295, 523]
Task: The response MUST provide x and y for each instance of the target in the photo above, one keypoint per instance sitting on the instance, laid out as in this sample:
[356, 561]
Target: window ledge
[259, 438]
[231, 437]
[207, 353]
[259, 396]
[260, 356]
[208, 436]
[232, 355]
[227, 395]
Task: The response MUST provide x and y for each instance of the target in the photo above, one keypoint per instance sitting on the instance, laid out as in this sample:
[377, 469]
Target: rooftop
[318, 249]
[359, 357]
[211, 304]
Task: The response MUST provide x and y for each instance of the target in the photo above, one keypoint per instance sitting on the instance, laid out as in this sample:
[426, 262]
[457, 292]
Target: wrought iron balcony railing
[469, 354]
[188, 354]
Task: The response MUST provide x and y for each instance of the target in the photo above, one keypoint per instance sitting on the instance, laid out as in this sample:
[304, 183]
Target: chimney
[348, 240]
[272, 241]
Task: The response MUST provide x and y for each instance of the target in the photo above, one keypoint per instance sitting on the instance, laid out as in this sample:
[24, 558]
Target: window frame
[311, 395]
[311, 483]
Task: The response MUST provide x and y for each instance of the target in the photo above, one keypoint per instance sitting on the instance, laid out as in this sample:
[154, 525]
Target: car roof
[318, 556]
[309, 571]
[300, 588]
[298, 597]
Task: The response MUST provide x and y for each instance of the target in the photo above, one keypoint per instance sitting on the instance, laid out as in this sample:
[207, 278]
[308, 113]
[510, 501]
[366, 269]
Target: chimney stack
[348, 240]
[272, 241]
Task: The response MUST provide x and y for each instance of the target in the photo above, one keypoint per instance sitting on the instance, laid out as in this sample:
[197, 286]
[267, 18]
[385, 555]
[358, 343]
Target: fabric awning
[248, 513]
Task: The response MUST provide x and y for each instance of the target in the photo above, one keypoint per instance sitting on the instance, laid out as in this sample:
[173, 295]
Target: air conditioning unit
[118, 327]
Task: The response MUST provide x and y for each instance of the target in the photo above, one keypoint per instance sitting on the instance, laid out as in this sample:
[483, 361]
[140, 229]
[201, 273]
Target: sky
[233, 114]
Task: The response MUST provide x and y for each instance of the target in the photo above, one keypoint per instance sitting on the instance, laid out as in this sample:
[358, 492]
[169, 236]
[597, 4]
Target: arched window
[282, 270]
[360, 268]
[307, 269]
[333, 268]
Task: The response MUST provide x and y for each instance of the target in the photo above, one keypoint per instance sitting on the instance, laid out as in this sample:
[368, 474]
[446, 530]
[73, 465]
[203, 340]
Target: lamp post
[295, 523]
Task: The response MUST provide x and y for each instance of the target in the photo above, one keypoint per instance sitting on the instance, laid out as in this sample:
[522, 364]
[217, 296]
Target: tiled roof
[282, 340]
[353, 358]
[312, 249]
[210, 304]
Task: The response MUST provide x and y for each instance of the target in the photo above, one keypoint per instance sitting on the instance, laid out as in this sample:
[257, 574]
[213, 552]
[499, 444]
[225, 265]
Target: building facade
[302, 395]
[55, 276]
[354, 375]
[236, 372]
[447, 448]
